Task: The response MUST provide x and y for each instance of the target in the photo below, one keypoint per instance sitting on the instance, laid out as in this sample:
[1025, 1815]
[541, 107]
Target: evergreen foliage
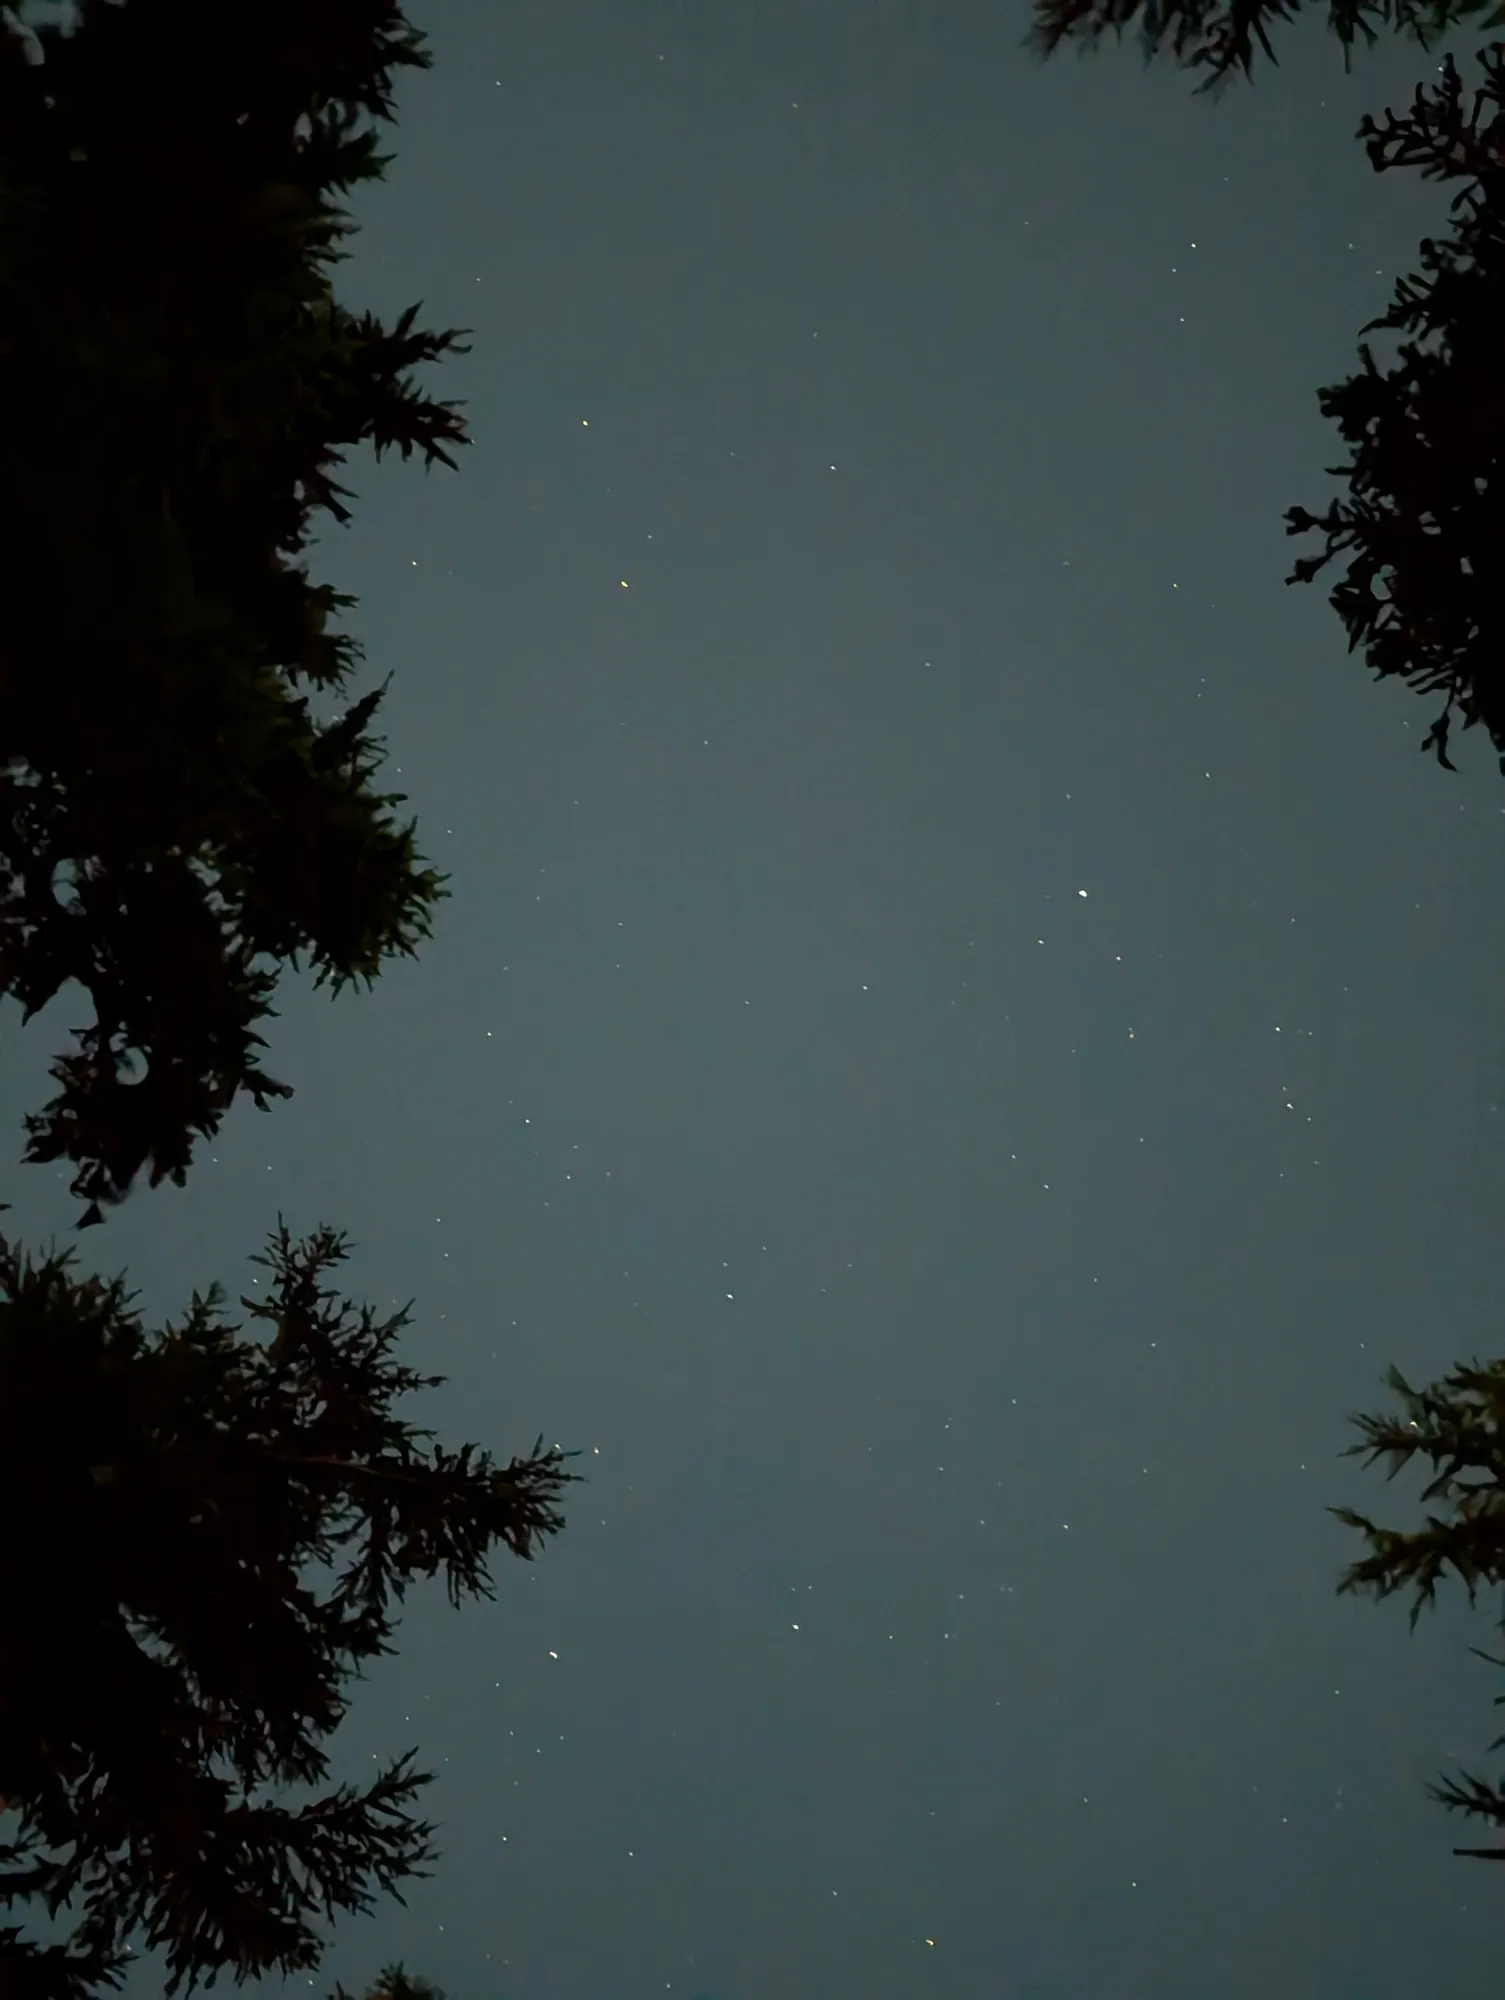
[1219, 36]
[393, 1983]
[203, 1539]
[1423, 593]
[1423, 522]
[178, 389]
[1424, 589]
[1458, 1425]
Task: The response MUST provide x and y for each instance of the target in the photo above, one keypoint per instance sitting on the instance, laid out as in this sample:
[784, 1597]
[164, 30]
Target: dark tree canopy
[393, 1983]
[1423, 528]
[1458, 1425]
[1220, 39]
[203, 1539]
[1423, 524]
[1424, 520]
[178, 388]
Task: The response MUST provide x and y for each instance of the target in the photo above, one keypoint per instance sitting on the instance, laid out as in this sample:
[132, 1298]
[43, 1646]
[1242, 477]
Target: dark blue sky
[965, 1039]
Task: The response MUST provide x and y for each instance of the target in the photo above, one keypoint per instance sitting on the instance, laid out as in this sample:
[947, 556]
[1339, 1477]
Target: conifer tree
[204, 1538]
[1423, 522]
[393, 1983]
[1423, 593]
[189, 791]
[1458, 1426]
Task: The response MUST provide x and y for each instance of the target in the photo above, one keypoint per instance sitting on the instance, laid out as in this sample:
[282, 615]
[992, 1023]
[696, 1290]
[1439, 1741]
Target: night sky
[965, 1039]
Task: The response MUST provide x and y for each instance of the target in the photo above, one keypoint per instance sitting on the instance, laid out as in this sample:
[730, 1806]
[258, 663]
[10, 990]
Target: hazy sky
[965, 1039]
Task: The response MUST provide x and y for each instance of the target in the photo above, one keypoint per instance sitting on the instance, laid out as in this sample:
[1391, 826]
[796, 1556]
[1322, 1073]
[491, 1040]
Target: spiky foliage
[1458, 1426]
[178, 389]
[393, 1983]
[203, 1538]
[1424, 522]
[1221, 38]
[1425, 516]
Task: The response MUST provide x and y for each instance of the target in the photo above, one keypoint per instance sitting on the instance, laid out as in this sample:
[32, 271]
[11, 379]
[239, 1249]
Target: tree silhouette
[178, 388]
[167, 1655]
[392, 1983]
[1458, 1424]
[1424, 529]
[1199, 35]
[1424, 520]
